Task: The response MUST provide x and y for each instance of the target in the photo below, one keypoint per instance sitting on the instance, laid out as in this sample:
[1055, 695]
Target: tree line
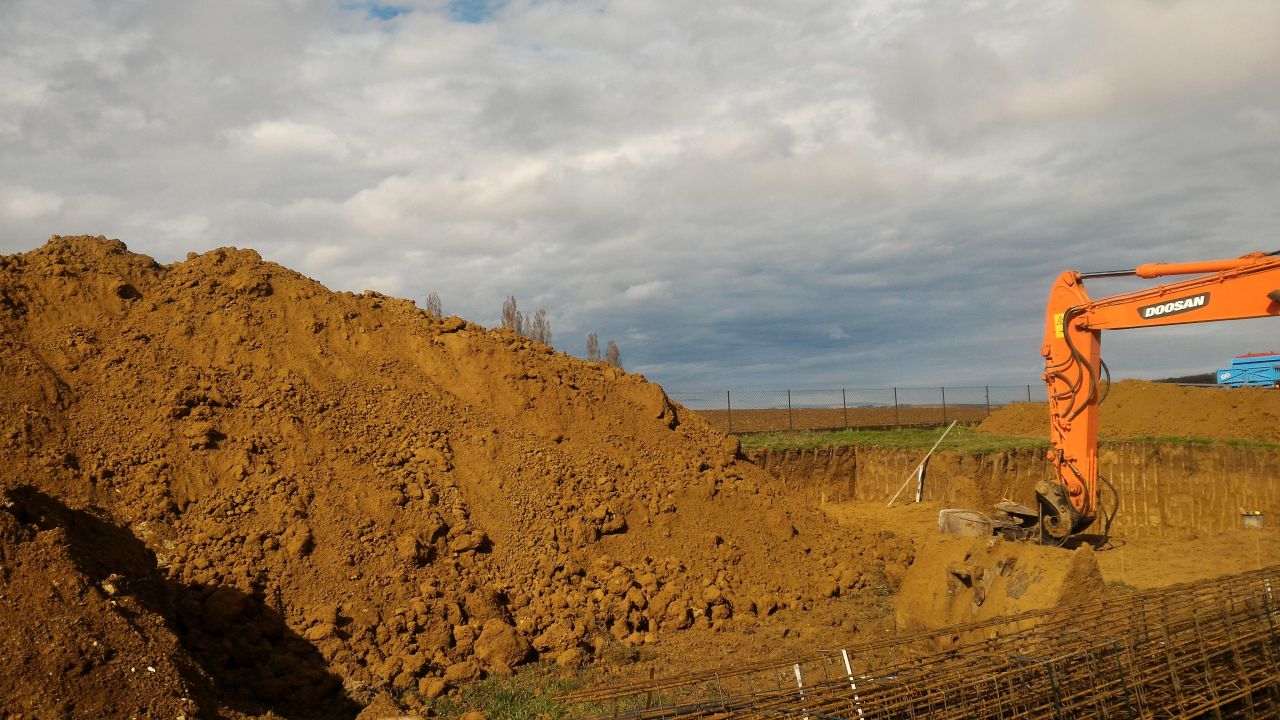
[536, 327]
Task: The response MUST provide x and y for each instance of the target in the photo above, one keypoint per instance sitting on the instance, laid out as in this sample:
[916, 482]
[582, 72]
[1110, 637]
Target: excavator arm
[1244, 287]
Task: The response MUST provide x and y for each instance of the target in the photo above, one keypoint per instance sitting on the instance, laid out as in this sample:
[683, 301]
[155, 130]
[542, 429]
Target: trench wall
[1164, 488]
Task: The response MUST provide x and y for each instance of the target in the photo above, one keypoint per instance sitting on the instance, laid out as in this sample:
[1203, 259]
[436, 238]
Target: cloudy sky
[798, 193]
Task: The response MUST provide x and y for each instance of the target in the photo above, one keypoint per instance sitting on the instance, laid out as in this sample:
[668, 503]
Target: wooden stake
[918, 473]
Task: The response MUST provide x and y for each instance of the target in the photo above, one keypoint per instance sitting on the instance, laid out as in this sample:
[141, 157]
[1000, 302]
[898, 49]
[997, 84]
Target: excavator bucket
[967, 579]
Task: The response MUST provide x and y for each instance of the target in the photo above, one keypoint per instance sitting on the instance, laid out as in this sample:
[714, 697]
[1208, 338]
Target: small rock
[409, 547]
[221, 609]
[500, 646]
[465, 671]
[319, 631]
[574, 657]
[384, 707]
[473, 540]
[299, 541]
[431, 688]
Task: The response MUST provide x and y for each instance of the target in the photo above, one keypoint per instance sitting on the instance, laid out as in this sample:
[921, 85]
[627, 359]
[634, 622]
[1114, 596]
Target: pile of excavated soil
[1135, 408]
[92, 628]
[958, 580]
[305, 496]
[68, 624]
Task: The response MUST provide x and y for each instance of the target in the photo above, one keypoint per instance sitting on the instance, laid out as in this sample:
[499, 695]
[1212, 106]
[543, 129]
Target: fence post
[728, 404]
[844, 406]
[896, 420]
[988, 388]
[944, 405]
[789, 425]
[1028, 393]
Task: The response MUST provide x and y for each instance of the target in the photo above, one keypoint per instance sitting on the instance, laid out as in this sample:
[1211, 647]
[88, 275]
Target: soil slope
[69, 624]
[340, 488]
[1135, 409]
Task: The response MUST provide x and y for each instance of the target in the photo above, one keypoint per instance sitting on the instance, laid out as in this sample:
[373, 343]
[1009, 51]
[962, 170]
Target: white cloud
[23, 204]
[648, 290]
[326, 258]
[284, 137]
[1148, 55]
[840, 182]
[390, 284]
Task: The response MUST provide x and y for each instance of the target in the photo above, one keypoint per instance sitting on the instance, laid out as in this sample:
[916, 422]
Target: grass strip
[530, 694]
[962, 439]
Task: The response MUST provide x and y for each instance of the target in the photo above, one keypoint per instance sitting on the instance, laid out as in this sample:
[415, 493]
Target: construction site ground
[1142, 561]
[230, 492]
[1127, 564]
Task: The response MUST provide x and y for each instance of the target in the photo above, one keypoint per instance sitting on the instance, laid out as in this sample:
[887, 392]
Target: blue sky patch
[377, 11]
[474, 11]
[386, 12]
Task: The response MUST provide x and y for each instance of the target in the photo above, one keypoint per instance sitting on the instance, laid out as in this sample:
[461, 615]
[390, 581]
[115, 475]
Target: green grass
[961, 439]
[531, 694]
[1118, 587]
[528, 695]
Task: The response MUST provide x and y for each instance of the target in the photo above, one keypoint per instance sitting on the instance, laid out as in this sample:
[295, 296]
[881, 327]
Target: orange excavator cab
[1244, 287]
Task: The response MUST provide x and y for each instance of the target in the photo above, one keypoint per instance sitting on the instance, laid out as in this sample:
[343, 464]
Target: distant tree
[612, 356]
[512, 318]
[433, 305]
[593, 347]
[540, 327]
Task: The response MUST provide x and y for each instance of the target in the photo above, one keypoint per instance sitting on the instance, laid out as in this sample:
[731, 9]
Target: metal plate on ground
[965, 523]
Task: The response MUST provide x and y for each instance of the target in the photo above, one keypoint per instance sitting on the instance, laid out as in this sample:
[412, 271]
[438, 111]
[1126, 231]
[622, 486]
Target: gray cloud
[809, 193]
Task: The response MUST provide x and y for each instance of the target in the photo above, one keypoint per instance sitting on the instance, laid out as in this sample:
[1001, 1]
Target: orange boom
[1244, 287]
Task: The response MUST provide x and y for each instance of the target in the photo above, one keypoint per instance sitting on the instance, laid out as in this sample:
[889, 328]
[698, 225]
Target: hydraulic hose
[1086, 369]
[1107, 390]
[1115, 506]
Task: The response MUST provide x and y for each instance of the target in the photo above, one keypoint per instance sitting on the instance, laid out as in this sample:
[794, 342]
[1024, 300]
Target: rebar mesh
[1205, 649]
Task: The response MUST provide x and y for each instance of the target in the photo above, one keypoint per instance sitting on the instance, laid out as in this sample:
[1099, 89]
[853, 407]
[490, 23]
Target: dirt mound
[415, 499]
[94, 629]
[1135, 408]
[80, 631]
[963, 580]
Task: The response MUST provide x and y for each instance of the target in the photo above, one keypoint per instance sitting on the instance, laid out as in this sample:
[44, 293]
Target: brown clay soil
[1147, 561]
[1138, 409]
[1134, 408]
[230, 492]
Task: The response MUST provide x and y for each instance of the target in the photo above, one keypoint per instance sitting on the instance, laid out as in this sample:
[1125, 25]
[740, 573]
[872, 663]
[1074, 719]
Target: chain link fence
[745, 411]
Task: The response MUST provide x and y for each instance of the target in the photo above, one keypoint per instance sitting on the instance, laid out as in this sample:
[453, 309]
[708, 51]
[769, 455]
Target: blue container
[1254, 370]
